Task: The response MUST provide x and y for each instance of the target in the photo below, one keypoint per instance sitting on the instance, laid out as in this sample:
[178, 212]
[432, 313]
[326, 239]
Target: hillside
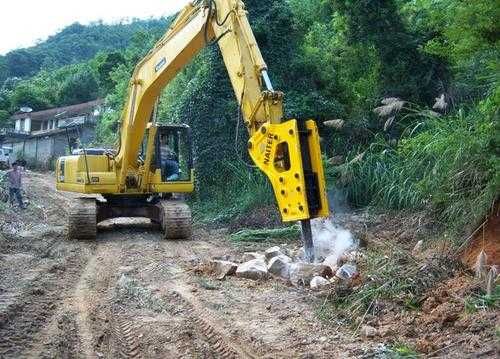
[73, 44]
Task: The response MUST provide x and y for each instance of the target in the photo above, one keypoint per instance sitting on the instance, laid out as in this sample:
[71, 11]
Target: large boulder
[302, 273]
[254, 269]
[279, 266]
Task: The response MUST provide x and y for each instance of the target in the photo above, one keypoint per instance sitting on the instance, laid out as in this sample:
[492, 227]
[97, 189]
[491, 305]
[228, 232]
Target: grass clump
[247, 189]
[483, 301]
[259, 235]
[399, 351]
[389, 274]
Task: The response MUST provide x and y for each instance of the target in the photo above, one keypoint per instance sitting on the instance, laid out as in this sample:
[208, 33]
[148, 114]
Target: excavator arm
[287, 151]
[198, 24]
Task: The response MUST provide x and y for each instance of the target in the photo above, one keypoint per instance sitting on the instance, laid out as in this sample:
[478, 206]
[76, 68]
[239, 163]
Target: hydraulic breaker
[289, 154]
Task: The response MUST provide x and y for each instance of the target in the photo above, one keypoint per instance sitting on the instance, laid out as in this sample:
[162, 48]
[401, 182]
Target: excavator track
[175, 220]
[82, 219]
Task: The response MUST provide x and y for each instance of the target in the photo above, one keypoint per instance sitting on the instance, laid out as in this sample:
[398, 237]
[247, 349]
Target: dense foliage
[74, 44]
[416, 84]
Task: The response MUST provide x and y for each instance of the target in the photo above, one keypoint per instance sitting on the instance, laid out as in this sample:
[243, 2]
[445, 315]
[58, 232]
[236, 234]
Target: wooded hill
[415, 83]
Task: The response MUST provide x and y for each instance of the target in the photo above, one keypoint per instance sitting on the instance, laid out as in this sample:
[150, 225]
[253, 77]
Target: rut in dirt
[24, 316]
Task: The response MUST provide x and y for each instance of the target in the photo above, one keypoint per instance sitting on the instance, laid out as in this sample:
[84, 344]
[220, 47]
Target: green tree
[105, 65]
[404, 71]
[26, 94]
[79, 87]
[4, 119]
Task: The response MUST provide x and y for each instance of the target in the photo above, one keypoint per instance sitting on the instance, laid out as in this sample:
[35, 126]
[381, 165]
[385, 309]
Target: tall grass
[449, 165]
[245, 190]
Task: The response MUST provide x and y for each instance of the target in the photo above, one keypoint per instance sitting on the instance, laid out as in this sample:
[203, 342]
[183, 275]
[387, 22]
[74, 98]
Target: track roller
[175, 220]
[82, 220]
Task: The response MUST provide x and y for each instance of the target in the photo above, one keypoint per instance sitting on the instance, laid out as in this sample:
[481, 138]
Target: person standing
[14, 181]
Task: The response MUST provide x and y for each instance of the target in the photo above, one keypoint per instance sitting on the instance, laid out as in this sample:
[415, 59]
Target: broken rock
[222, 268]
[368, 331]
[318, 282]
[273, 252]
[302, 273]
[347, 271]
[331, 261]
[248, 256]
[255, 269]
[279, 266]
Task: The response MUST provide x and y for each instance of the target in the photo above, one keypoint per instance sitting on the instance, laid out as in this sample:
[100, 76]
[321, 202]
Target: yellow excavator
[153, 164]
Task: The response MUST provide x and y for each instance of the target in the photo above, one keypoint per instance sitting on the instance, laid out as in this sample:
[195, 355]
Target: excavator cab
[172, 153]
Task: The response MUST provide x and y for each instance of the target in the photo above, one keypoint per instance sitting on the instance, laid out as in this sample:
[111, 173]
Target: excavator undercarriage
[173, 216]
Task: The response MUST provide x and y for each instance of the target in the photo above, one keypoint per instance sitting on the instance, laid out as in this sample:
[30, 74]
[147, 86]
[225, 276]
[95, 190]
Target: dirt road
[131, 294]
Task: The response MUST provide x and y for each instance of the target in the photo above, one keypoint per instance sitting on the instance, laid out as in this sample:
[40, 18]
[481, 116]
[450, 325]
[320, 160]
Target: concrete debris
[347, 271]
[273, 252]
[222, 268]
[302, 273]
[279, 266]
[318, 282]
[368, 331]
[254, 269]
[248, 256]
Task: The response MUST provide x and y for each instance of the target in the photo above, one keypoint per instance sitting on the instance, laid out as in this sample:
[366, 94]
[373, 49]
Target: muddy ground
[131, 294]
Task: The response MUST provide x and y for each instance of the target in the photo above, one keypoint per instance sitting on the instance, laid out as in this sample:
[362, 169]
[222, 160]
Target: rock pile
[278, 262]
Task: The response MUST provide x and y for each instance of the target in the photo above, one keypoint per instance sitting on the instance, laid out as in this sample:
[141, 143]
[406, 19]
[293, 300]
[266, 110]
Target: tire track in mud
[217, 338]
[24, 319]
[126, 337]
[92, 298]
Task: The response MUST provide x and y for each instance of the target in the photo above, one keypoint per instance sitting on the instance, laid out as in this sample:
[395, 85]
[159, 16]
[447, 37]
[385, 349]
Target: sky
[24, 22]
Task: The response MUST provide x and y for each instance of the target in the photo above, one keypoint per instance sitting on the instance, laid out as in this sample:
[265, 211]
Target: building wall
[41, 151]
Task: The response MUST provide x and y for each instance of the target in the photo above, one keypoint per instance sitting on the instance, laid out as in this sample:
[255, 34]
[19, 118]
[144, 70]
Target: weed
[397, 277]
[483, 301]
[246, 190]
[207, 284]
[445, 165]
[403, 351]
[259, 235]
[412, 303]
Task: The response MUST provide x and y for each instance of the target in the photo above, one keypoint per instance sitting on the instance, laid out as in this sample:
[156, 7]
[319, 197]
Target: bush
[449, 165]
